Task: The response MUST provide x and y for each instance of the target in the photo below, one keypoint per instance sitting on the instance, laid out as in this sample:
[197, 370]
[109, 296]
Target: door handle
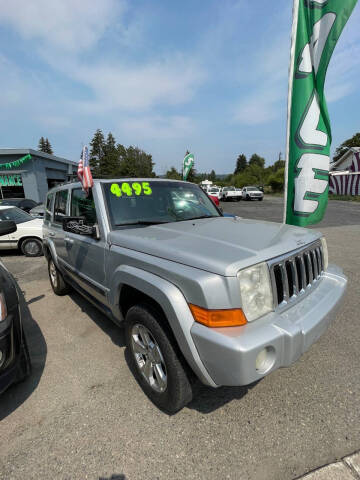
[69, 240]
[51, 234]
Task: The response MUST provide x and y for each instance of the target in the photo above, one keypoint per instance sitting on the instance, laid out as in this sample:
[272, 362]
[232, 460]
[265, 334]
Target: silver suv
[201, 296]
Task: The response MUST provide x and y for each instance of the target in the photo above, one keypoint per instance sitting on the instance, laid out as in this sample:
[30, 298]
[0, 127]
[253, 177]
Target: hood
[220, 245]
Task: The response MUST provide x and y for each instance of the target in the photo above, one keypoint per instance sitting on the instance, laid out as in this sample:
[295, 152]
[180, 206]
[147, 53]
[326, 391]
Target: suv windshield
[15, 214]
[252, 189]
[146, 203]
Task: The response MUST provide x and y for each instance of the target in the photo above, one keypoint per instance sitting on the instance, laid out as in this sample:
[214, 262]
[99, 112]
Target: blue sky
[210, 76]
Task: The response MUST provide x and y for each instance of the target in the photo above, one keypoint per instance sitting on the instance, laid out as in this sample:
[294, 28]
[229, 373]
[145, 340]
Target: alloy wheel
[148, 357]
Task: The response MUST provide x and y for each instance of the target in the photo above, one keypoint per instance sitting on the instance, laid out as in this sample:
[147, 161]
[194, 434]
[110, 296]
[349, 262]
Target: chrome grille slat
[303, 276]
[285, 282]
[294, 275]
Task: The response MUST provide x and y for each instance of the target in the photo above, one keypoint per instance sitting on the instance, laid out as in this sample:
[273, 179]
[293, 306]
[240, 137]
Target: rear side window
[48, 206]
[60, 205]
[83, 206]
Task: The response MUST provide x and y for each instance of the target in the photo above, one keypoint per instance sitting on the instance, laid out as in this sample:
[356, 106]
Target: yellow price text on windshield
[129, 190]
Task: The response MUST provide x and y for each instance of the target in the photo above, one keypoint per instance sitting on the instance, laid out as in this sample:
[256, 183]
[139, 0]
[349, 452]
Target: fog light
[265, 360]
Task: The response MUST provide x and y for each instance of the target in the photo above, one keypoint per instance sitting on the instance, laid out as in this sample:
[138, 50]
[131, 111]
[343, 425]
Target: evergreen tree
[241, 164]
[173, 174]
[42, 145]
[257, 160]
[212, 176]
[48, 148]
[136, 163]
[110, 165]
[97, 151]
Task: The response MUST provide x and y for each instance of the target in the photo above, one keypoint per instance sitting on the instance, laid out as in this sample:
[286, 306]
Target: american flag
[84, 172]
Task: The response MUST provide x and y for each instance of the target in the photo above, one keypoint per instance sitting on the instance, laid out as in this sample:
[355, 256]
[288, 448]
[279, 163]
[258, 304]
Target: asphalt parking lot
[81, 415]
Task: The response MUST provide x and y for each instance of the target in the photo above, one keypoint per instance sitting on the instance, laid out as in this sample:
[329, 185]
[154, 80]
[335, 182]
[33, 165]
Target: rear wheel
[57, 281]
[155, 359]
[32, 247]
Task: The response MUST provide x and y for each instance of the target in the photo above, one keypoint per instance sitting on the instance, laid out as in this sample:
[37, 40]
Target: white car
[231, 193]
[252, 193]
[214, 192]
[28, 236]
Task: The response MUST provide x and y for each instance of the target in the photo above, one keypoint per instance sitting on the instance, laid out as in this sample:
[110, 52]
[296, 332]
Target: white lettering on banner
[312, 52]
[308, 131]
[306, 181]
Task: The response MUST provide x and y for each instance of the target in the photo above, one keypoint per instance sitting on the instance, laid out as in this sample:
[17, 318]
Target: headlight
[3, 309]
[325, 253]
[256, 292]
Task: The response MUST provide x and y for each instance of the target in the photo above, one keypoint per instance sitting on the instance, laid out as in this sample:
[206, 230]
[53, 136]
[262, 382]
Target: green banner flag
[188, 163]
[317, 25]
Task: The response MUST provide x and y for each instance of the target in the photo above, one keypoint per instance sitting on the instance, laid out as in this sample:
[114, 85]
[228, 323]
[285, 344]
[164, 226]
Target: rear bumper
[229, 354]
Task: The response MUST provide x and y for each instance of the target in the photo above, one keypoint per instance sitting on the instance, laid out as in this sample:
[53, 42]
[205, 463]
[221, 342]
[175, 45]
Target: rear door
[86, 254]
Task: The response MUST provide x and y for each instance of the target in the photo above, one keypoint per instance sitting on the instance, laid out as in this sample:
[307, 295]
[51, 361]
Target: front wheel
[32, 247]
[155, 359]
[58, 284]
[248, 198]
[260, 199]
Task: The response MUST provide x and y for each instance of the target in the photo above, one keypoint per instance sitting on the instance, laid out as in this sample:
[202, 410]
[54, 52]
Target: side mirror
[77, 225]
[7, 226]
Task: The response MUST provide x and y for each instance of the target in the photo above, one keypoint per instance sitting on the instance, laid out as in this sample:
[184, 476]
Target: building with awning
[344, 176]
[27, 173]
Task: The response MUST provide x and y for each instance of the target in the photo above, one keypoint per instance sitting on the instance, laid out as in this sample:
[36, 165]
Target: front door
[86, 255]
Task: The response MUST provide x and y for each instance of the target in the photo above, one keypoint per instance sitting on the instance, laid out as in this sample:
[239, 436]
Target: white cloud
[71, 25]
[157, 127]
[165, 82]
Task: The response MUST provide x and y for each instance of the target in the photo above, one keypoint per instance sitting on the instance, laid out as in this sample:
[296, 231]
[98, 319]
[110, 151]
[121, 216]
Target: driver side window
[83, 206]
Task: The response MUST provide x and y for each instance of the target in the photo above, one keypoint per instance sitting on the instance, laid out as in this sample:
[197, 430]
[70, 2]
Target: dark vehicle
[15, 363]
[25, 204]
[38, 211]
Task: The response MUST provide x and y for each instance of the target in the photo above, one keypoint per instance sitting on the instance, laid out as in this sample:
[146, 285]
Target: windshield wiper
[141, 222]
[202, 216]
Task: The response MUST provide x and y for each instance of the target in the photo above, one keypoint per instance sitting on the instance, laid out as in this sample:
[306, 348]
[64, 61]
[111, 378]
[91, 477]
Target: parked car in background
[38, 211]
[214, 192]
[25, 204]
[252, 193]
[27, 237]
[214, 199]
[230, 193]
[15, 364]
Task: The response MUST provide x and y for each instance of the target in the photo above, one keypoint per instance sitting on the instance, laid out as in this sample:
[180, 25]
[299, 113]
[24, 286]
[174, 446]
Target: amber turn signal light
[218, 318]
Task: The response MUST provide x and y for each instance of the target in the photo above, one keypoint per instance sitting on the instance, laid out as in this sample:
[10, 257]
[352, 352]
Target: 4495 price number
[137, 188]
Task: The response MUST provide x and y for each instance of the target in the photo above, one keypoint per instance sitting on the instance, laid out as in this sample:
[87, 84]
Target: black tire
[248, 198]
[261, 199]
[32, 247]
[177, 388]
[57, 282]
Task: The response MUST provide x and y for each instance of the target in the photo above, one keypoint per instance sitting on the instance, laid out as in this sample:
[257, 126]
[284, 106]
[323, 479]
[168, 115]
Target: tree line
[111, 159]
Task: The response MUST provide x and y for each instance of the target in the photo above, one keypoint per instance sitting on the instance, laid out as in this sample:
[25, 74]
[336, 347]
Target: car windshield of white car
[145, 203]
[252, 189]
[15, 214]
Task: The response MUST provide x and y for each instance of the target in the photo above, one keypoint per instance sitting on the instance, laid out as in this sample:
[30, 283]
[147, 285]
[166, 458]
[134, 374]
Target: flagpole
[290, 89]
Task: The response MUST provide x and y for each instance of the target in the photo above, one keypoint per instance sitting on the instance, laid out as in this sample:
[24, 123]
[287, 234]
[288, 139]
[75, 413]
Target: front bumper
[229, 354]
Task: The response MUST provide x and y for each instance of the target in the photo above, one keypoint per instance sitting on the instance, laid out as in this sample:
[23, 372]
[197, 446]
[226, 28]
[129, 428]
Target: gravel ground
[82, 415]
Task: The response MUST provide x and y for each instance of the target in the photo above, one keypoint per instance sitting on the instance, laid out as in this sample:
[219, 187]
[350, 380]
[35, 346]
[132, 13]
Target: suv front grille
[293, 275]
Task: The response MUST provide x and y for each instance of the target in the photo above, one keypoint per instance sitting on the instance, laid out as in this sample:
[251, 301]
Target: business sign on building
[10, 181]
